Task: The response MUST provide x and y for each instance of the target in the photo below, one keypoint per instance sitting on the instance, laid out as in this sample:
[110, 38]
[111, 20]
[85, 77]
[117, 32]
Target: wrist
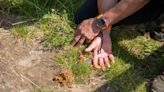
[109, 18]
[105, 33]
[103, 23]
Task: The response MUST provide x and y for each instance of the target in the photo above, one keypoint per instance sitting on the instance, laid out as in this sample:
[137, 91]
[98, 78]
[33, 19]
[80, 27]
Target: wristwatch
[101, 23]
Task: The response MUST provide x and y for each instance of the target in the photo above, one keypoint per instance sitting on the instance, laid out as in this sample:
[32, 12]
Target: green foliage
[37, 8]
[135, 63]
[15, 2]
[20, 30]
[56, 29]
[70, 59]
[7, 4]
[81, 68]
[82, 71]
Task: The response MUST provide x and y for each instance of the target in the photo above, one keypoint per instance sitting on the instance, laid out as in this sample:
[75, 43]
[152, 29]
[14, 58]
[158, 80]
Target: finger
[90, 47]
[88, 41]
[95, 60]
[77, 32]
[101, 63]
[93, 45]
[106, 61]
[80, 42]
[111, 57]
[75, 40]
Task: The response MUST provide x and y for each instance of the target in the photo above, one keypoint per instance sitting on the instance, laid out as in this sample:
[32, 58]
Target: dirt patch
[8, 22]
[22, 66]
[25, 66]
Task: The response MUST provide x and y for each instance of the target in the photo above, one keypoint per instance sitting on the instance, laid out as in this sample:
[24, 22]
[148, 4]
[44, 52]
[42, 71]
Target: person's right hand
[85, 32]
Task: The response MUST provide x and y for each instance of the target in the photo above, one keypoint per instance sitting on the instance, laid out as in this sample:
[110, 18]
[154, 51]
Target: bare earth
[26, 66]
[23, 67]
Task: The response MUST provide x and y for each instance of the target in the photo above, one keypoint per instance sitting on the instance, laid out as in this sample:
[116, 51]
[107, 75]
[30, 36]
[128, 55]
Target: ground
[28, 66]
[23, 67]
[34, 48]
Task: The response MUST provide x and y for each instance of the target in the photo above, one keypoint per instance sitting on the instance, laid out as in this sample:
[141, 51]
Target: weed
[21, 31]
[56, 29]
[70, 59]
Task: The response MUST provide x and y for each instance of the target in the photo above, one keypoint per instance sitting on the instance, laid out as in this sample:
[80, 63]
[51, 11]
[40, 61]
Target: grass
[133, 70]
[70, 59]
[20, 30]
[55, 34]
[137, 58]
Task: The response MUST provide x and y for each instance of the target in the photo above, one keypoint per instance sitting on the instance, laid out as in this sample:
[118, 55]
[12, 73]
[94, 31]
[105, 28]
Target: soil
[22, 67]
[25, 66]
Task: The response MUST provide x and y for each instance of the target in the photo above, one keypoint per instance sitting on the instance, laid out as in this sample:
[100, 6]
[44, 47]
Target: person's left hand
[102, 47]
[102, 59]
[86, 31]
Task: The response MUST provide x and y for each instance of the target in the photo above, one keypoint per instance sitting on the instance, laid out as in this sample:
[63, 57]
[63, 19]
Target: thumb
[95, 43]
[111, 57]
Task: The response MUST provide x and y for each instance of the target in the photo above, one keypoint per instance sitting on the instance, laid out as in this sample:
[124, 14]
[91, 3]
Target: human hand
[86, 31]
[102, 48]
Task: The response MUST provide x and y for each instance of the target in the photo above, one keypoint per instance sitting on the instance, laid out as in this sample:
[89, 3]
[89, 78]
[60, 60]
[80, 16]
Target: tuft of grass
[25, 32]
[135, 64]
[81, 68]
[70, 59]
[131, 40]
[82, 72]
[56, 29]
[38, 8]
[21, 30]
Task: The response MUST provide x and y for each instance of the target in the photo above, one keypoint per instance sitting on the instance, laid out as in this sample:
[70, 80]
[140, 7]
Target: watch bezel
[100, 23]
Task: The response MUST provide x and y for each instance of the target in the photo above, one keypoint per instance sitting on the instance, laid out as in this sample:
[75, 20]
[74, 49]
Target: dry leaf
[81, 56]
[65, 77]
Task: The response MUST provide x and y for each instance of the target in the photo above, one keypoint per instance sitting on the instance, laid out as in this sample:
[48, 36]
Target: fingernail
[113, 61]
[103, 69]
[87, 50]
[109, 66]
[72, 45]
[97, 66]
[112, 58]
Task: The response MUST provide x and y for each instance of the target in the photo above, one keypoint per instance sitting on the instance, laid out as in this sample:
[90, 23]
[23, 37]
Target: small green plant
[82, 72]
[70, 59]
[20, 30]
[56, 29]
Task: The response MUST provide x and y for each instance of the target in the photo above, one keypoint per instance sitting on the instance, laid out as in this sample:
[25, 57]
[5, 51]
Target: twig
[23, 22]
[30, 81]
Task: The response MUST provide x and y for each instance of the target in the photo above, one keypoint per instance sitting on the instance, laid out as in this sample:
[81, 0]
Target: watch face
[100, 23]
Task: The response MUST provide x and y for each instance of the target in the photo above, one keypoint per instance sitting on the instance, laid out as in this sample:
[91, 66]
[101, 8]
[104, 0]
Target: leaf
[65, 77]
[81, 56]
